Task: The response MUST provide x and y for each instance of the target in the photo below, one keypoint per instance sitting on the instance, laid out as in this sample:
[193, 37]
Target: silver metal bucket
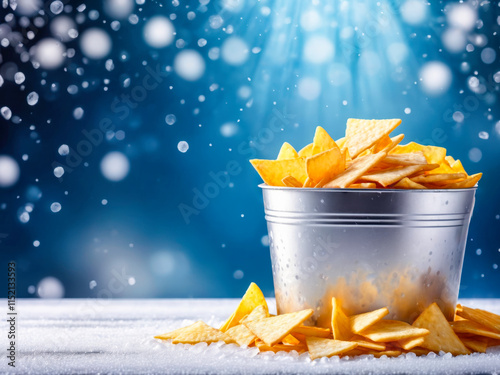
[402, 249]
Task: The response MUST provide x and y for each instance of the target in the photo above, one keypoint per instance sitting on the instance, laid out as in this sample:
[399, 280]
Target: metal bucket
[402, 249]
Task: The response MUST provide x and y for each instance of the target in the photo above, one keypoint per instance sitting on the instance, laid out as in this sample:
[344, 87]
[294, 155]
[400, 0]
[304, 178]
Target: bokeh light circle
[115, 166]
[189, 64]
[9, 171]
[95, 43]
[159, 32]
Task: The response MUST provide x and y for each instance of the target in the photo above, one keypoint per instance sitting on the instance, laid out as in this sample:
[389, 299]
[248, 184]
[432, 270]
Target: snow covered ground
[116, 336]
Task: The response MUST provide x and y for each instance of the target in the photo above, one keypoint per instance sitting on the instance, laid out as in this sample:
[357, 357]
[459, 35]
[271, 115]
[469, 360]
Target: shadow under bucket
[402, 249]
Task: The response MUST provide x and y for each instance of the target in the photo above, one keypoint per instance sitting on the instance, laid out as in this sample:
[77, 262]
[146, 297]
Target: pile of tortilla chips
[250, 325]
[367, 158]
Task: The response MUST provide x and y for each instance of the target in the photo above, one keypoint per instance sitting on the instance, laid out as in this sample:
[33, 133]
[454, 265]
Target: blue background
[245, 104]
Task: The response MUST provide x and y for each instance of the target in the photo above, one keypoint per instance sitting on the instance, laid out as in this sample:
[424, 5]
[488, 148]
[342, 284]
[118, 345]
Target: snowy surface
[116, 336]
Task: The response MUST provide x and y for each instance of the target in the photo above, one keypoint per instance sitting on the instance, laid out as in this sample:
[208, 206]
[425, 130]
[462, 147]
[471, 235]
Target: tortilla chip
[201, 333]
[433, 154]
[319, 347]
[420, 351]
[408, 344]
[252, 298]
[362, 134]
[363, 342]
[287, 152]
[392, 330]
[291, 181]
[475, 344]
[341, 325]
[173, 334]
[358, 167]
[472, 327]
[485, 318]
[313, 331]
[406, 183]
[362, 321]
[273, 329]
[441, 336]
[308, 183]
[391, 176]
[326, 164]
[340, 142]
[260, 312]
[241, 334]
[406, 159]
[263, 347]
[363, 185]
[467, 183]
[443, 178]
[306, 151]
[291, 340]
[273, 171]
[322, 141]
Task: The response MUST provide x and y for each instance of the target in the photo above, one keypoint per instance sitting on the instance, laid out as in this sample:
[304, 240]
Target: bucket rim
[264, 186]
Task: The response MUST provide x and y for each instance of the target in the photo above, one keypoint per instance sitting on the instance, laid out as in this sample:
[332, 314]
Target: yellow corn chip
[253, 297]
[175, 333]
[433, 154]
[406, 159]
[444, 178]
[291, 181]
[485, 318]
[363, 185]
[313, 331]
[306, 151]
[263, 347]
[472, 327]
[287, 152]
[273, 171]
[493, 342]
[340, 142]
[408, 344]
[381, 144]
[319, 347]
[341, 325]
[322, 141]
[441, 336]
[273, 329]
[475, 344]
[389, 177]
[362, 134]
[241, 334]
[201, 333]
[260, 312]
[392, 330]
[290, 340]
[358, 167]
[308, 183]
[325, 165]
[394, 142]
[457, 167]
[467, 183]
[420, 351]
[362, 321]
[367, 344]
[406, 183]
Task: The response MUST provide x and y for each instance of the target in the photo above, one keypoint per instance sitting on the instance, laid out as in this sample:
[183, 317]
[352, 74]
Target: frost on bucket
[347, 335]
